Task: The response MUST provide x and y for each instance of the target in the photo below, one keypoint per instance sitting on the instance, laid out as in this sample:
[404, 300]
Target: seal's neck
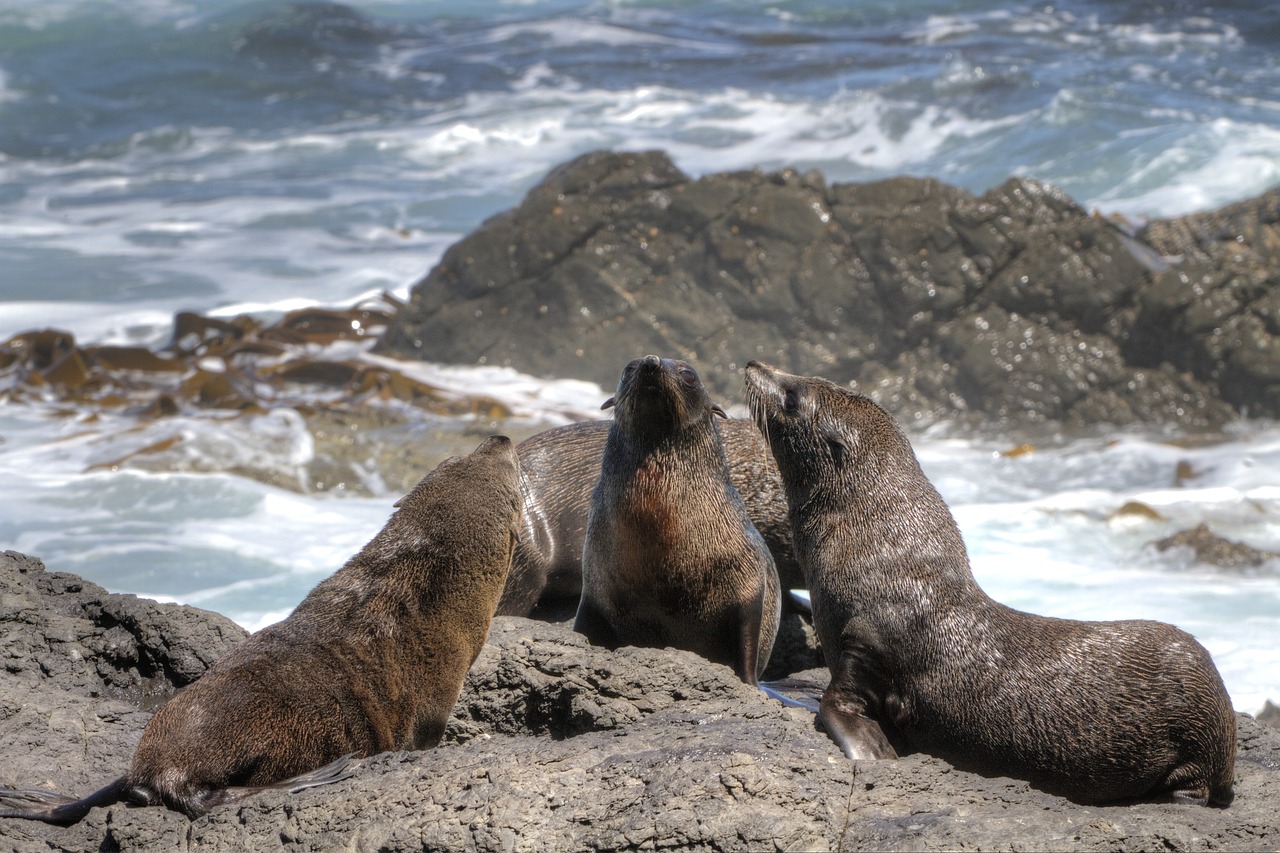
[639, 436]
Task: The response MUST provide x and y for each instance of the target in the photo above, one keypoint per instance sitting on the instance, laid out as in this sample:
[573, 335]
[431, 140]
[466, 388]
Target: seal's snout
[651, 361]
[499, 447]
[762, 381]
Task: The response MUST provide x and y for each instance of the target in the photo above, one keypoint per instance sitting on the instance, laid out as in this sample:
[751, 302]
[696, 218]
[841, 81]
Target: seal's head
[826, 439]
[661, 395]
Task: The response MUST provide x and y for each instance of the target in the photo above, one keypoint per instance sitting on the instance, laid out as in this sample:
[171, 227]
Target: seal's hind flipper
[200, 802]
[334, 771]
[50, 807]
[13, 799]
[794, 693]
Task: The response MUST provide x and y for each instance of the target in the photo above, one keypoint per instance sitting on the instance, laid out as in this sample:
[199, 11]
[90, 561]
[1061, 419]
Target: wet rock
[556, 744]
[1016, 306]
[374, 427]
[1215, 550]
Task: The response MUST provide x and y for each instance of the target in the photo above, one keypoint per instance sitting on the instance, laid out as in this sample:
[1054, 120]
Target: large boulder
[1017, 305]
[555, 744]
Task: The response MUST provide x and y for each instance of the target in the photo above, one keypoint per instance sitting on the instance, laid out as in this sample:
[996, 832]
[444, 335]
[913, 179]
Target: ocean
[232, 157]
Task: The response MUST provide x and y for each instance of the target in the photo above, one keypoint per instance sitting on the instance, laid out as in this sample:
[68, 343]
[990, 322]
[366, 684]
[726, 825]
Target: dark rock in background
[1215, 550]
[554, 744]
[1016, 306]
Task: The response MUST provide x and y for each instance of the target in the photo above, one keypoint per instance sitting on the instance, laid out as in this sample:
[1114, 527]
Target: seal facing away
[922, 659]
[559, 469]
[671, 557]
[372, 659]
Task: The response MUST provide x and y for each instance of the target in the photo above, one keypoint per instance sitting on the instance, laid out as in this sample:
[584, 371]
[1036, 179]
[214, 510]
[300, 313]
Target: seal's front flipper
[593, 625]
[857, 735]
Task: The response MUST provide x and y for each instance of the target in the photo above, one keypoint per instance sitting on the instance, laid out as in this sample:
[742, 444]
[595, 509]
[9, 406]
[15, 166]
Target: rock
[1016, 306]
[1270, 715]
[556, 744]
[374, 428]
[1216, 312]
[1213, 549]
[61, 629]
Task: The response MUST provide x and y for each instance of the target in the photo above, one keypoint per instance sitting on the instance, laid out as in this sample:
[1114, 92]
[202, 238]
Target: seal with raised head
[921, 659]
[372, 659]
[559, 469]
[671, 557]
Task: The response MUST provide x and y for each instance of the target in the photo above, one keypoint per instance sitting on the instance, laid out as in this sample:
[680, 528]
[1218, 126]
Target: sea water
[228, 157]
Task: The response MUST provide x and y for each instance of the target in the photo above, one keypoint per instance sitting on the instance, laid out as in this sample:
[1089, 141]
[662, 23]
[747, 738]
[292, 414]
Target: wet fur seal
[559, 468]
[922, 659]
[671, 557]
[372, 659]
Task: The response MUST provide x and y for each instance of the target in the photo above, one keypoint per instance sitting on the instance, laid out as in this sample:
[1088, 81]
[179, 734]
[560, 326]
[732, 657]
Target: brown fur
[559, 469]
[922, 659]
[372, 659]
[671, 557]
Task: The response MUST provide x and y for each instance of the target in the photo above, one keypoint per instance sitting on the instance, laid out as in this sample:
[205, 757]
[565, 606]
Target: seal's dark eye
[689, 377]
[837, 449]
[791, 402]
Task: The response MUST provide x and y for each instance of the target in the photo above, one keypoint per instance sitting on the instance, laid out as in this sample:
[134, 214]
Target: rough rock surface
[557, 745]
[1017, 305]
[1216, 550]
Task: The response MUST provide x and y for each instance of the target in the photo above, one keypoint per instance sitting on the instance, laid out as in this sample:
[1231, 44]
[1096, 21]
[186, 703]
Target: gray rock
[57, 627]
[555, 744]
[1017, 306]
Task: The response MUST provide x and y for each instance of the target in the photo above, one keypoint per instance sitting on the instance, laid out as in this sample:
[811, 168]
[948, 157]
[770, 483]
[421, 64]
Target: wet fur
[671, 557]
[372, 659]
[922, 659]
[559, 469]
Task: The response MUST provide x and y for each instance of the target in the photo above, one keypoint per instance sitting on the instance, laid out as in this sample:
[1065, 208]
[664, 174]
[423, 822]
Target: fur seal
[671, 557]
[372, 659]
[559, 468]
[922, 659]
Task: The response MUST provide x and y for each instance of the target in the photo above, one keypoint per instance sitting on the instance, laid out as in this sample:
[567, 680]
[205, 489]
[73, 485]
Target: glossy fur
[922, 659]
[372, 660]
[671, 557]
[559, 469]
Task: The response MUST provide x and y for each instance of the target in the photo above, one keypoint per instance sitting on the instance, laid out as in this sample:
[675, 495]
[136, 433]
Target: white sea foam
[576, 32]
[1209, 166]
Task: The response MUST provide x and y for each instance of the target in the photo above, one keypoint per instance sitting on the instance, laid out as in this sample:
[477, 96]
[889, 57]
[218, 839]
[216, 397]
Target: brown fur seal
[921, 658]
[671, 557]
[372, 659]
[559, 468]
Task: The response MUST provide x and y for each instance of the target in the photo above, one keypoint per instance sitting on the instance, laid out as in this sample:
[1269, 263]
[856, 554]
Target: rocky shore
[553, 745]
[1016, 310]
[1015, 307]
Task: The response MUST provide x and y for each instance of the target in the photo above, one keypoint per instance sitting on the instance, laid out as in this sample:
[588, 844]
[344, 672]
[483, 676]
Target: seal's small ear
[716, 410]
[607, 404]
